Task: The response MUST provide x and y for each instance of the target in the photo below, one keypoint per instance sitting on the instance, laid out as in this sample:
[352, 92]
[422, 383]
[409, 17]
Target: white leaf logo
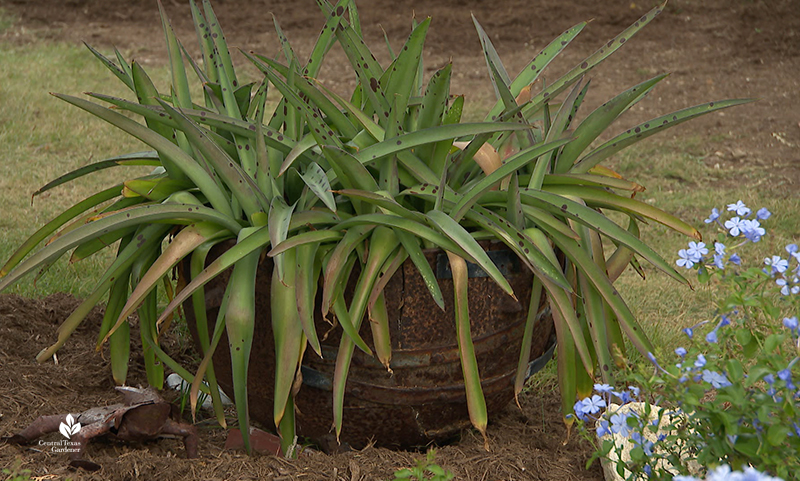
[70, 428]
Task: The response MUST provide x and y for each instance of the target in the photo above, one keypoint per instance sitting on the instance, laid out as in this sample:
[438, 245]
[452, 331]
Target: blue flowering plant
[726, 399]
[738, 230]
[724, 473]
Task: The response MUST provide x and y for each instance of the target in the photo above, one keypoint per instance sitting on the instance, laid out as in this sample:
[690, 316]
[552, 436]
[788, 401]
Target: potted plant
[339, 192]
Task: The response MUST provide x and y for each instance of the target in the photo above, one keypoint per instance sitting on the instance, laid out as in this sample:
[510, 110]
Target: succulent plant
[320, 183]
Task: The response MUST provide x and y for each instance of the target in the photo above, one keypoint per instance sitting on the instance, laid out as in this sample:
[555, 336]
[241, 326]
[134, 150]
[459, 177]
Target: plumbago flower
[728, 397]
[724, 404]
[724, 473]
[782, 271]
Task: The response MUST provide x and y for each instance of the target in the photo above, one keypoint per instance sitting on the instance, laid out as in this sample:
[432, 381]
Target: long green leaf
[591, 61]
[183, 244]
[476, 403]
[288, 333]
[602, 198]
[253, 242]
[172, 213]
[400, 83]
[236, 179]
[534, 69]
[133, 159]
[316, 180]
[306, 283]
[240, 325]
[333, 115]
[647, 129]
[598, 121]
[189, 166]
[335, 268]
[148, 237]
[384, 201]
[47, 229]
[280, 215]
[513, 164]
[114, 68]
[562, 206]
[180, 82]
[223, 56]
[298, 240]
[600, 281]
[432, 135]
[457, 234]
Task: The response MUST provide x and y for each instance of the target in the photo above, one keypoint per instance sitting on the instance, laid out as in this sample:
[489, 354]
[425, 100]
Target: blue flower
[578, 408]
[634, 390]
[711, 337]
[736, 259]
[786, 287]
[652, 358]
[624, 397]
[793, 250]
[769, 379]
[593, 405]
[689, 332]
[700, 362]
[680, 351]
[686, 260]
[791, 323]
[763, 214]
[719, 248]
[778, 265]
[619, 424]
[752, 474]
[719, 260]
[716, 379]
[785, 375]
[714, 216]
[647, 446]
[752, 230]
[734, 226]
[739, 208]
[603, 429]
[697, 250]
[603, 388]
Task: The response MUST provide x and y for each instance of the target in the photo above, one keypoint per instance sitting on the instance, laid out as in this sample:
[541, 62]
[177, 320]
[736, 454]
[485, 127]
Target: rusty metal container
[423, 400]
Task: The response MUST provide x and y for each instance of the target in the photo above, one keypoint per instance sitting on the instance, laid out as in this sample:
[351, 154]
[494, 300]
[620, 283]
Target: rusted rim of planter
[415, 395]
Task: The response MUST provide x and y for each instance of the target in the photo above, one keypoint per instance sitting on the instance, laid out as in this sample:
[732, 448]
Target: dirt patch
[526, 444]
[714, 49]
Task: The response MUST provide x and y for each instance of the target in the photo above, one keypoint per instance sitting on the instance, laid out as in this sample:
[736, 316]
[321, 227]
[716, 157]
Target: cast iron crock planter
[423, 400]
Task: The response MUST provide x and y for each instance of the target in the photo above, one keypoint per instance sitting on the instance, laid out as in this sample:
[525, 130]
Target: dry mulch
[526, 444]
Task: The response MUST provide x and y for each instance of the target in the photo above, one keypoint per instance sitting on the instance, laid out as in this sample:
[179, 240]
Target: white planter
[624, 445]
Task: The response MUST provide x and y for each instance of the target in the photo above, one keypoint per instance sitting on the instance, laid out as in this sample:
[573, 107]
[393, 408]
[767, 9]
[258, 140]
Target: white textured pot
[624, 445]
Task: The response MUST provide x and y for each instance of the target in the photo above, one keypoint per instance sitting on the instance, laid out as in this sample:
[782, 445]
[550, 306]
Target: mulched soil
[527, 444]
[714, 49]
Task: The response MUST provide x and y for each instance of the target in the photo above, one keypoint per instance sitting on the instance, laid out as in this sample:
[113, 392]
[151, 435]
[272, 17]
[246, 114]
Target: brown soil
[526, 444]
[714, 49]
